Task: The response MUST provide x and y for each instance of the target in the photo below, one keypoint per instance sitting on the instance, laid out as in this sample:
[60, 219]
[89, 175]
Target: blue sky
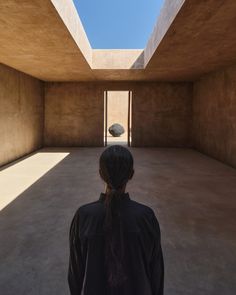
[117, 24]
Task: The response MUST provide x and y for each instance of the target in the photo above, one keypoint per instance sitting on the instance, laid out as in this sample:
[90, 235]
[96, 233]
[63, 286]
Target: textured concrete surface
[186, 42]
[193, 197]
[214, 115]
[21, 114]
[168, 13]
[161, 113]
[71, 19]
[117, 112]
[197, 41]
[31, 34]
[122, 140]
[73, 115]
[16, 178]
[117, 59]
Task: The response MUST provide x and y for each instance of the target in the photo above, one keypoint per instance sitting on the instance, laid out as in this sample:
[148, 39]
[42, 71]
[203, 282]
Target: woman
[115, 245]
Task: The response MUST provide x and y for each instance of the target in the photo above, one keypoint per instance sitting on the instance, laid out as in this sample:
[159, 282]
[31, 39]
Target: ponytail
[114, 245]
[115, 168]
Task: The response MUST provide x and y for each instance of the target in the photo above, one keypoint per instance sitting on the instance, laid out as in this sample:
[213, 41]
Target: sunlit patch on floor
[16, 178]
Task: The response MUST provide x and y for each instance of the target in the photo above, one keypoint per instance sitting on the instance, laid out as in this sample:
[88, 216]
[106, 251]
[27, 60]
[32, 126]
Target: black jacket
[143, 253]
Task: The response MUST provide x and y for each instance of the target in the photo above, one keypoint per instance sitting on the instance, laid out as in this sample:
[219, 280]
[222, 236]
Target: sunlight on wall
[16, 178]
[117, 112]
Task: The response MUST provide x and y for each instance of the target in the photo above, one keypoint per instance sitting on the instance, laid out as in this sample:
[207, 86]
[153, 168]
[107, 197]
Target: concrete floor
[122, 140]
[193, 197]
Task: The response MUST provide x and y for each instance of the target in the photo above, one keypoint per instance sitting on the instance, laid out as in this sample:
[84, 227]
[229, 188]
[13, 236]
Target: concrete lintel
[117, 59]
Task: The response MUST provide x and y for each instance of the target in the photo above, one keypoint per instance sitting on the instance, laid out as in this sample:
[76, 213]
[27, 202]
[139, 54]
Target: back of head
[115, 168]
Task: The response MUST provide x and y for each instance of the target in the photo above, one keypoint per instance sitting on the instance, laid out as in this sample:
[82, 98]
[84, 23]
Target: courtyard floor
[194, 198]
[122, 140]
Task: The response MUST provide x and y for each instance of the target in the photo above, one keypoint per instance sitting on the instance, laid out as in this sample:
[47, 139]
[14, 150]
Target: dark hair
[116, 168]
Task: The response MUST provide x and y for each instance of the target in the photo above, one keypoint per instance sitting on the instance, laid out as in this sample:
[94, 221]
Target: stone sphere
[116, 130]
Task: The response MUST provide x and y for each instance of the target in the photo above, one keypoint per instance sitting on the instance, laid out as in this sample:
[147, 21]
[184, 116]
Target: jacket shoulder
[142, 208]
[95, 204]
[96, 207]
[88, 208]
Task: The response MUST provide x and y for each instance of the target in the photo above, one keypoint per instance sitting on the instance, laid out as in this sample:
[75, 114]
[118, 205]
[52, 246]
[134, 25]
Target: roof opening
[118, 24]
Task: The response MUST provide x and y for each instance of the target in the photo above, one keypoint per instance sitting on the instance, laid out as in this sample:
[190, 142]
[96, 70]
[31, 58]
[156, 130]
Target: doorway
[117, 110]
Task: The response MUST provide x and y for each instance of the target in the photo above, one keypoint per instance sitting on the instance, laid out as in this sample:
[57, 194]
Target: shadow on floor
[193, 197]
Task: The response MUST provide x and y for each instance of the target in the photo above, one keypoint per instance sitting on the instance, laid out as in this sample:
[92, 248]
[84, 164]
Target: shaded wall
[161, 113]
[214, 109]
[21, 114]
[73, 114]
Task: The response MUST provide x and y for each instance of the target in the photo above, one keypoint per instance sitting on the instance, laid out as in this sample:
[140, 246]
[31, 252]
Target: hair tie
[113, 189]
[111, 186]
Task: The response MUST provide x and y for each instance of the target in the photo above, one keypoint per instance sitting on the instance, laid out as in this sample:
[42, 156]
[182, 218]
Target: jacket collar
[124, 196]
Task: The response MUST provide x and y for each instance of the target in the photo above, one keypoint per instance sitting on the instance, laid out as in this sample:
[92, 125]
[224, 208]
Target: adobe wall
[117, 107]
[73, 114]
[21, 114]
[214, 115]
[161, 113]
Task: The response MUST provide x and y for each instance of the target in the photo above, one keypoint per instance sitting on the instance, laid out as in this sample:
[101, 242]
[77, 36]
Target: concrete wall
[161, 113]
[214, 109]
[202, 115]
[73, 114]
[21, 114]
[117, 108]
